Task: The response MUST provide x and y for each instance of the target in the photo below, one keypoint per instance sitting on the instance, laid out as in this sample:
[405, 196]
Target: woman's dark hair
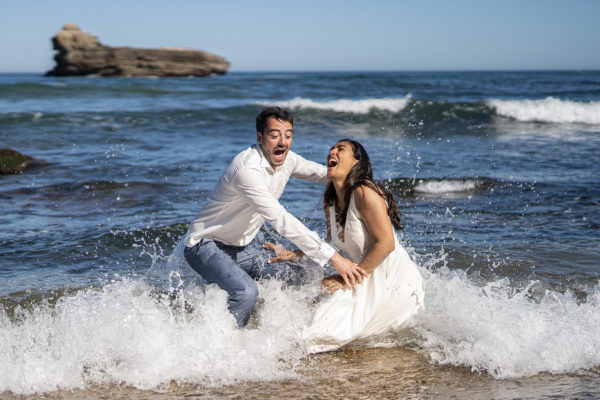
[275, 112]
[361, 174]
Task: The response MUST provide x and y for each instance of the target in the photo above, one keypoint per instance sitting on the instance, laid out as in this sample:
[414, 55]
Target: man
[221, 242]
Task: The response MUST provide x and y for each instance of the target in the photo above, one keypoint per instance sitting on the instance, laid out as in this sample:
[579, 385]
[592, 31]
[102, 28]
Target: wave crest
[363, 106]
[549, 109]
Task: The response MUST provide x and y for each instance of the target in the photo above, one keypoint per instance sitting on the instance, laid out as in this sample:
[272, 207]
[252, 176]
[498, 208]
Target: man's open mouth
[279, 152]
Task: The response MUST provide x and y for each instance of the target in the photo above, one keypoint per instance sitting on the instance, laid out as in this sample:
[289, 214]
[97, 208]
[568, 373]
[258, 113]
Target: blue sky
[321, 35]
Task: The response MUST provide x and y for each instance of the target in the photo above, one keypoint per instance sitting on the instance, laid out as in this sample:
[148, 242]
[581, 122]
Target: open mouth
[279, 154]
[332, 163]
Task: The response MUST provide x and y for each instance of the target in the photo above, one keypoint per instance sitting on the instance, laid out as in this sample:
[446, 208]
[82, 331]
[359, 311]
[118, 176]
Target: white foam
[501, 331]
[549, 109]
[124, 334]
[445, 186]
[363, 106]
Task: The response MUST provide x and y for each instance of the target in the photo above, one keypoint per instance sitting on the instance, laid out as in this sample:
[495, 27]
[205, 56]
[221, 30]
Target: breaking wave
[549, 109]
[507, 332]
[363, 106]
[128, 332]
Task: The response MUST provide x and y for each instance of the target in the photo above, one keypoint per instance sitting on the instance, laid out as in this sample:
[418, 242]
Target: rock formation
[13, 162]
[80, 53]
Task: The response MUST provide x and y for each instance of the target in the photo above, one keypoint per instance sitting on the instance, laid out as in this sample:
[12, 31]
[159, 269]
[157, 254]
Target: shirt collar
[263, 160]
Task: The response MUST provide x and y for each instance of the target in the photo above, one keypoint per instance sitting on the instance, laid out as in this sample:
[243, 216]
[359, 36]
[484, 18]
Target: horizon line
[357, 71]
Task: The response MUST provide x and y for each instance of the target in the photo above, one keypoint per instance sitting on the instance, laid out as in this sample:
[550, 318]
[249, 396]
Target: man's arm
[309, 170]
[251, 185]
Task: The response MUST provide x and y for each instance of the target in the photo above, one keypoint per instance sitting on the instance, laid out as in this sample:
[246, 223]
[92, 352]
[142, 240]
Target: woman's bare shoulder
[366, 196]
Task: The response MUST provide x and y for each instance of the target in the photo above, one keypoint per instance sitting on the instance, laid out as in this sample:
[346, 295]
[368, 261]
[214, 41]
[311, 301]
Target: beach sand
[358, 373]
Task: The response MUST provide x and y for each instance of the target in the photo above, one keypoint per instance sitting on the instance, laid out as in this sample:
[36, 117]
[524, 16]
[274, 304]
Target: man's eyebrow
[279, 130]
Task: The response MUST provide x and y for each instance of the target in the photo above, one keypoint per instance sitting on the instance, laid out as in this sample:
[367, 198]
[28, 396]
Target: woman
[361, 217]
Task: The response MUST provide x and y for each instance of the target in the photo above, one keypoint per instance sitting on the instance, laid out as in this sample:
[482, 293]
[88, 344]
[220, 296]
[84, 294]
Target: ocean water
[495, 173]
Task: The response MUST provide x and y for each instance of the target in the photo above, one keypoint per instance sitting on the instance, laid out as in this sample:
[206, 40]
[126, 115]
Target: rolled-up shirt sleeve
[251, 184]
[310, 170]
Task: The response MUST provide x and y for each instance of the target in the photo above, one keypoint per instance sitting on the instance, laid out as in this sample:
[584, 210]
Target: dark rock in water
[13, 162]
[80, 53]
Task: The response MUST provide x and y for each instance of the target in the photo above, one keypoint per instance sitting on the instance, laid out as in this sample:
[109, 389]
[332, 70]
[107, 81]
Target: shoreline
[356, 373]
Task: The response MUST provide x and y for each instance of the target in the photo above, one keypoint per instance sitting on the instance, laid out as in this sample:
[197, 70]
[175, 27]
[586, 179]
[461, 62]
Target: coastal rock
[80, 53]
[13, 162]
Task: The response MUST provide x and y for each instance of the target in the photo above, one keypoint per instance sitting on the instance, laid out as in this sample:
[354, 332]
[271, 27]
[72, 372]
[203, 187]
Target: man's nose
[281, 140]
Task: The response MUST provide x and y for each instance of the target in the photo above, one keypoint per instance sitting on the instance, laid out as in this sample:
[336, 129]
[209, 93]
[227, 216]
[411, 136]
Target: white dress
[384, 301]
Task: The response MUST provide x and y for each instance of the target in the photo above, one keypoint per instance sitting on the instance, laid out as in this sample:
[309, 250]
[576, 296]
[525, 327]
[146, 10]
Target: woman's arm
[373, 213]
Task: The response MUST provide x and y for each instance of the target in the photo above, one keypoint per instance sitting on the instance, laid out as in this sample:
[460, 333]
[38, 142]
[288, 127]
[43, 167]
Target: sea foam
[363, 106]
[124, 333]
[128, 333]
[549, 109]
[445, 186]
[505, 332]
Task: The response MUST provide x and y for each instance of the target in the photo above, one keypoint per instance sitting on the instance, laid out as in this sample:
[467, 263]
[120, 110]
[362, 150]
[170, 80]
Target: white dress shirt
[248, 194]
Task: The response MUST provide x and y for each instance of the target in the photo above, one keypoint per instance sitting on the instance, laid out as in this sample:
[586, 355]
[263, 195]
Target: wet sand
[359, 373]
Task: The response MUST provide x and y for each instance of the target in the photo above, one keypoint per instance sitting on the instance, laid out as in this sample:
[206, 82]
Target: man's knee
[247, 295]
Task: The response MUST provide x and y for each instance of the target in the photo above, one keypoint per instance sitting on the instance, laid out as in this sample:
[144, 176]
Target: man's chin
[276, 163]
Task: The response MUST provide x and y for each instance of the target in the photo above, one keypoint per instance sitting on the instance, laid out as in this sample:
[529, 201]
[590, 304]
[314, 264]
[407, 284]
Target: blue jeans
[234, 269]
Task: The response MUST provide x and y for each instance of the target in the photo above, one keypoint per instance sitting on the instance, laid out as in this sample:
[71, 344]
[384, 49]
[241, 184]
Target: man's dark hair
[275, 112]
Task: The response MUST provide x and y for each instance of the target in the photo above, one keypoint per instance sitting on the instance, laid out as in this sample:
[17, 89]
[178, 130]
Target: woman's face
[340, 160]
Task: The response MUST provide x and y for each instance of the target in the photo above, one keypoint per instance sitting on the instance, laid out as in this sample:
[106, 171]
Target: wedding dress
[384, 301]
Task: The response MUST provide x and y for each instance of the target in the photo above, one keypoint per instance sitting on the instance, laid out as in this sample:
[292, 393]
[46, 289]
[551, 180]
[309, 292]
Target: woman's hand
[333, 283]
[281, 254]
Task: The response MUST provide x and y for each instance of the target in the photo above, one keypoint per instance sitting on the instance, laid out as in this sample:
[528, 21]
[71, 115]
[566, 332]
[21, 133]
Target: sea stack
[80, 53]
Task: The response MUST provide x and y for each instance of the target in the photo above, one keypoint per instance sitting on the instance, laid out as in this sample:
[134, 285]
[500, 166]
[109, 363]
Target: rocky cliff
[80, 53]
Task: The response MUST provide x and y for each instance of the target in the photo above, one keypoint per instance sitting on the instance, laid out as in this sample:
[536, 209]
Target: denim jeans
[234, 269]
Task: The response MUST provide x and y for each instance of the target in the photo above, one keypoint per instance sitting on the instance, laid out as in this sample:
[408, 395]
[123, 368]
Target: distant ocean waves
[551, 110]
[362, 106]
[137, 103]
[446, 187]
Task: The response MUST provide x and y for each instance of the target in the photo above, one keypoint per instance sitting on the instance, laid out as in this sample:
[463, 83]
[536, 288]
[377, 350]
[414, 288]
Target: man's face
[276, 141]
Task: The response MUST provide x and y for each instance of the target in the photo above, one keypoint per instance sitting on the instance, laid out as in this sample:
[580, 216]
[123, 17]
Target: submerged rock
[80, 53]
[13, 162]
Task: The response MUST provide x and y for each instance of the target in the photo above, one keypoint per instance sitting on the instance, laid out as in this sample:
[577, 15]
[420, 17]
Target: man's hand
[281, 254]
[350, 272]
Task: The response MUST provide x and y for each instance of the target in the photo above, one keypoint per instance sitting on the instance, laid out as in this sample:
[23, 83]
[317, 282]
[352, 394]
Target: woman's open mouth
[332, 163]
